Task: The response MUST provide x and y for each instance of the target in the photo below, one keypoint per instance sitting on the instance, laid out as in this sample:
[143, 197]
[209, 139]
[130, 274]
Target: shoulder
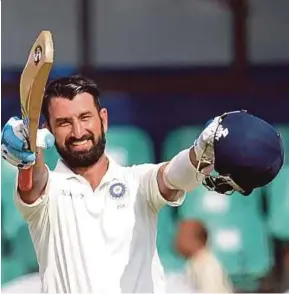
[142, 169]
[57, 177]
[143, 174]
[210, 261]
[140, 175]
[133, 173]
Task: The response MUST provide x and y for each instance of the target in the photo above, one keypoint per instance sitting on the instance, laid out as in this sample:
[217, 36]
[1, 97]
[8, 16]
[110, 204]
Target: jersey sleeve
[36, 211]
[147, 174]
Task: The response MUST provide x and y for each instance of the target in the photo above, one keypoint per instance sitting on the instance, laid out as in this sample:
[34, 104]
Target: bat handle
[25, 179]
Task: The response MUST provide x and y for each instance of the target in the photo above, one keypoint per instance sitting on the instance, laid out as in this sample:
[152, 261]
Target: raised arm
[14, 150]
[39, 182]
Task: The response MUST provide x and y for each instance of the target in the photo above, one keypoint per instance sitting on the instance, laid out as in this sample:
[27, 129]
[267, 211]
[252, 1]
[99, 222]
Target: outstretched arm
[181, 174]
[187, 169]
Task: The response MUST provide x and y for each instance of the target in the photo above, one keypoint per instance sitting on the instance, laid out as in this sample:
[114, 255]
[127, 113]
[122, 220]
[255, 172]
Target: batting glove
[204, 145]
[14, 143]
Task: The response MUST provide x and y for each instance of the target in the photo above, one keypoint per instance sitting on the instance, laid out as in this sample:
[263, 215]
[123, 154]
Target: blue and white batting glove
[14, 143]
[204, 145]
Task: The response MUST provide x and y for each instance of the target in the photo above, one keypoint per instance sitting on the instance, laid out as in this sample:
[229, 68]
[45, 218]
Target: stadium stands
[129, 145]
[11, 218]
[278, 205]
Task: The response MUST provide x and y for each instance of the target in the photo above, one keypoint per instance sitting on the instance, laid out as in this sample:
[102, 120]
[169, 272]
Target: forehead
[62, 107]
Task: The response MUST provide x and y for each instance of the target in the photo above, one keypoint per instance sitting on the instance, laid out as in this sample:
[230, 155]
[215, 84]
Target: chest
[110, 215]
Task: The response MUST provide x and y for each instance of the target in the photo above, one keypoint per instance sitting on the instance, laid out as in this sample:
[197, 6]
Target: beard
[86, 158]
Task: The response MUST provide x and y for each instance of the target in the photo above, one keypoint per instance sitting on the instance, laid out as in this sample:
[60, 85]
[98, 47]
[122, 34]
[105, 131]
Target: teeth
[79, 143]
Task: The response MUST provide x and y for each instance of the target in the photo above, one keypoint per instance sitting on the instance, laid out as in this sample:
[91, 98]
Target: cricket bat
[32, 85]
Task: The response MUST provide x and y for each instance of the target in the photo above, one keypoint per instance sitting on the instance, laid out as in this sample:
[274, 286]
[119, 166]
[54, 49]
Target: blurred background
[165, 67]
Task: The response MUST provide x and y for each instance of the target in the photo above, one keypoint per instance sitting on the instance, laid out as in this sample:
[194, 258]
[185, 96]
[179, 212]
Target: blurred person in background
[204, 272]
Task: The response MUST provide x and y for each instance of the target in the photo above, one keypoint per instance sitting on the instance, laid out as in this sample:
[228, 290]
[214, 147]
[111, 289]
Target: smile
[79, 143]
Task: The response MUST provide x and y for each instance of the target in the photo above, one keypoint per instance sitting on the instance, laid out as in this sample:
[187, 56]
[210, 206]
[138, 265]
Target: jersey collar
[113, 172]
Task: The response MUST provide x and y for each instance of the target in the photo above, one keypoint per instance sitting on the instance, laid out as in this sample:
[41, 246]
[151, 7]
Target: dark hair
[68, 88]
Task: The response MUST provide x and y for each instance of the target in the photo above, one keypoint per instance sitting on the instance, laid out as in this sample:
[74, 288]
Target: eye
[85, 117]
[63, 124]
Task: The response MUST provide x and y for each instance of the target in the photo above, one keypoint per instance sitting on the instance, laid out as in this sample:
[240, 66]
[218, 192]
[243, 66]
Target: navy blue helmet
[249, 153]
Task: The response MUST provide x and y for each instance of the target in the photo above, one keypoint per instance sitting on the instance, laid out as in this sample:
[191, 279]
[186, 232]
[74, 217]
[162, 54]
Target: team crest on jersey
[117, 190]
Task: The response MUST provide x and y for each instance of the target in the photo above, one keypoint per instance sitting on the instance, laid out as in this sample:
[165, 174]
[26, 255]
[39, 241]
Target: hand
[204, 145]
[14, 143]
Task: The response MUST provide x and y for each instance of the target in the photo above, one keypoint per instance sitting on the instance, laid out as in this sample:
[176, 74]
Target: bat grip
[25, 179]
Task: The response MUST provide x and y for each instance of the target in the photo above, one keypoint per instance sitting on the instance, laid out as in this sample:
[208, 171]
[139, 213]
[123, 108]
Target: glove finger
[13, 134]
[210, 130]
[9, 138]
[9, 157]
[15, 162]
[45, 139]
[12, 158]
[25, 156]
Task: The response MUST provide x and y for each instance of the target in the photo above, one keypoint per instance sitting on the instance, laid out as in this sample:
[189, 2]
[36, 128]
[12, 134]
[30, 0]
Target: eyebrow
[62, 119]
[85, 113]
[65, 119]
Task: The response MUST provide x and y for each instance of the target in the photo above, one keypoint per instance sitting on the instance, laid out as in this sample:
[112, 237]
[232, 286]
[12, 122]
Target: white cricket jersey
[98, 241]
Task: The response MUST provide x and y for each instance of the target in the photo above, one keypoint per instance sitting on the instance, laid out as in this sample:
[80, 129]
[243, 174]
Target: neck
[198, 250]
[94, 173]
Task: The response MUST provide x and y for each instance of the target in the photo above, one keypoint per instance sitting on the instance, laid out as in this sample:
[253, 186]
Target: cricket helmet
[249, 153]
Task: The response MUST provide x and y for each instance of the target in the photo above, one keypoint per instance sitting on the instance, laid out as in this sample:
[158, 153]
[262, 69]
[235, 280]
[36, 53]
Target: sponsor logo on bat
[37, 54]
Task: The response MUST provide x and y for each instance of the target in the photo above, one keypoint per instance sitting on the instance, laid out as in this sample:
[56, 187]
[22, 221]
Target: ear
[104, 117]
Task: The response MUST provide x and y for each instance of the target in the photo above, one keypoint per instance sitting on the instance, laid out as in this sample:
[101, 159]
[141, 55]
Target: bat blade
[32, 85]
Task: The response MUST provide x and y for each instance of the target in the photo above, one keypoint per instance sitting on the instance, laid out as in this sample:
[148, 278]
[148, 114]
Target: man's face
[79, 129]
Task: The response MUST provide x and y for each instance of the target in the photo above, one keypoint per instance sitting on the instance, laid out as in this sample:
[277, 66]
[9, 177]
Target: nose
[77, 130]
